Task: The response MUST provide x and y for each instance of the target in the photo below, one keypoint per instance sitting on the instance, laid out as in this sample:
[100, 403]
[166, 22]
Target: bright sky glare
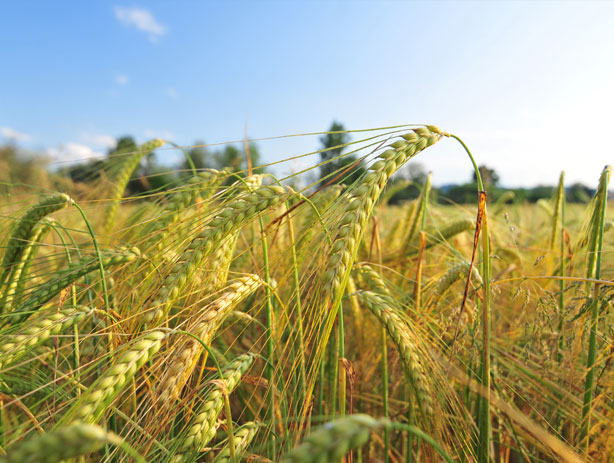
[528, 85]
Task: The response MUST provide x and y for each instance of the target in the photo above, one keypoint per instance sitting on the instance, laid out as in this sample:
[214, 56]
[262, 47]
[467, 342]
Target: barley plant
[235, 316]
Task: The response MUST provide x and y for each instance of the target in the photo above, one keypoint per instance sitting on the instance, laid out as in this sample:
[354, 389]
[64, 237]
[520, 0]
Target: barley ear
[94, 402]
[23, 229]
[243, 436]
[120, 174]
[384, 309]
[203, 426]
[185, 356]
[331, 442]
[14, 345]
[58, 445]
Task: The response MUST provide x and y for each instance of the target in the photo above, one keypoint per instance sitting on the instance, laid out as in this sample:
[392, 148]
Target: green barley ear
[392, 189]
[593, 271]
[388, 314]
[557, 213]
[119, 175]
[597, 223]
[16, 280]
[58, 445]
[222, 256]
[243, 437]
[331, 442]
[243, 209]
[200, 186]
[185, 355]
[44, 293]
[359, 202]
[372, 279]
[23, 230]
[545, 206]
[418, 213]
[500, 204]
[203, 426]
[455, 272]
[94, 402]
[435, 236]
[49, 323]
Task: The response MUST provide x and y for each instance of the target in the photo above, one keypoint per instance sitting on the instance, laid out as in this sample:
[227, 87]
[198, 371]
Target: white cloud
[99, 139]
[15, 135]
[72, 152]
[121, 79]
[163, 134]
[142, 19]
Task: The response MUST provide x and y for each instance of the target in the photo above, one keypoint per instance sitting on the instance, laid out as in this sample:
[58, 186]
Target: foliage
[336, 167]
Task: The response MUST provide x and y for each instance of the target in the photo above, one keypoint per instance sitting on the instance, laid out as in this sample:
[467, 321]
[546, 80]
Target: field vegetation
[222, 314]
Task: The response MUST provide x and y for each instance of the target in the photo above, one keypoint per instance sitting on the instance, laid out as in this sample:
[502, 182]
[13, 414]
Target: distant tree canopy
[332, 146]
[230, 157]
[200, 156]
[489, 176]
[124, 144]
[18, 166]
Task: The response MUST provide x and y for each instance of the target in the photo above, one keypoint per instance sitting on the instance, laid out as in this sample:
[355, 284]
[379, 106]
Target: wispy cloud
[99, 139]
[121, 79]
[142, 19]
[72, 152]
[14, 135]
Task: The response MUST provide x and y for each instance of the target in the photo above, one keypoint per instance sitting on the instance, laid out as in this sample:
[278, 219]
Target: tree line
[338, 165]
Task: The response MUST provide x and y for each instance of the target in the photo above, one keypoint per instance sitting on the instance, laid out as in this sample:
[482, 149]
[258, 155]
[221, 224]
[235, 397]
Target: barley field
[241, 318]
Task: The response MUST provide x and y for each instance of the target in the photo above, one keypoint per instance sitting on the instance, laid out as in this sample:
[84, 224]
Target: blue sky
[528, 85]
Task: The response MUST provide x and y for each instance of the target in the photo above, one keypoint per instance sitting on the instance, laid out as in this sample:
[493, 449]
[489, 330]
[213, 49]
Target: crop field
[238, 317]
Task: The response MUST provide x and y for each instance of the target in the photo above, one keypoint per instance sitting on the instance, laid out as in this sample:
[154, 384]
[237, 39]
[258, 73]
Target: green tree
[332, 144]
[579, 193]
[489, 176]
[124, 144]
[231, 158]
[200, 156]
